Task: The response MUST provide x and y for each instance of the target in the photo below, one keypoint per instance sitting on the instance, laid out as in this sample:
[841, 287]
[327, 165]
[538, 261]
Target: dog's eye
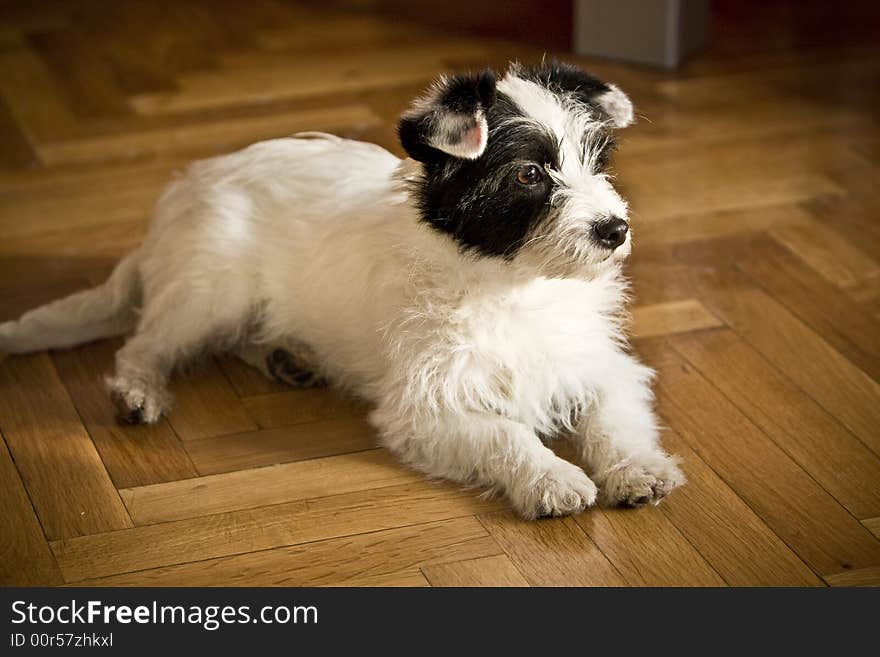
[529, 174]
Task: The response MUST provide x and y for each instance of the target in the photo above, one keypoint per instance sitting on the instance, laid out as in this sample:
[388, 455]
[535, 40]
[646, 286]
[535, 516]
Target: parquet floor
[754, 177]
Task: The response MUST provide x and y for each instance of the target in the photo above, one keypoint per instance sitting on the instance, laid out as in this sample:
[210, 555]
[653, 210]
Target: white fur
[470, 361]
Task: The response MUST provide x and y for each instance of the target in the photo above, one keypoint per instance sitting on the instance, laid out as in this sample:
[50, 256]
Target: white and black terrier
[472, 292]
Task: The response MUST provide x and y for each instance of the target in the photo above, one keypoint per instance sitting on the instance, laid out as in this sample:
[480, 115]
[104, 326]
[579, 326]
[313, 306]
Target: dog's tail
[103, 311]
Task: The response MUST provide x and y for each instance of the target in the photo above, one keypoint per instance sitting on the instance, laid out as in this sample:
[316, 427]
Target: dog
[472, 292]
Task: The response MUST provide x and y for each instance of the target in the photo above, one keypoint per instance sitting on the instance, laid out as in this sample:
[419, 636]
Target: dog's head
[516, 168]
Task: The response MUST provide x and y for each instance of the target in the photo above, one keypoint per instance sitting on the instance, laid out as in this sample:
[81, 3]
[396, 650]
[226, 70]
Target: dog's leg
[290, 363]
[618, 440]
[488, 450]
[138, 386]
[174, 326]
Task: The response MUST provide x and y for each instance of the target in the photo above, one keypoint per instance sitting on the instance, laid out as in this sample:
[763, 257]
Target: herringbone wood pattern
[753, 176]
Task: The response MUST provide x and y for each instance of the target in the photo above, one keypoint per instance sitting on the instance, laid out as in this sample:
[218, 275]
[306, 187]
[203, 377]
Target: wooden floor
[754, 178]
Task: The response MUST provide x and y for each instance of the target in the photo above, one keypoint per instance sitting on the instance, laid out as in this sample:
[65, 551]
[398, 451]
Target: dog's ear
[450, 118]
[616, 105]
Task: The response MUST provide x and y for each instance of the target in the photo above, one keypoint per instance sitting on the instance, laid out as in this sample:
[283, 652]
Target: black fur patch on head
[565, 79]
[479, 202]
[466, 93]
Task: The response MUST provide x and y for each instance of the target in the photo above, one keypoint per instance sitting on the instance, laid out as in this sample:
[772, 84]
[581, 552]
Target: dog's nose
[611, 233]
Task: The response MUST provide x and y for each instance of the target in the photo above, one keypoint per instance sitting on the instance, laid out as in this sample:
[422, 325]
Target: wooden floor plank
[256, 487]
[282, 445]
[201, 139]
[861, 577]
[82, 73]
[40, 214]
[725, 531]
[714, 225]
[696, 125]
[646, 548]
[66, 480]
[810, 436]
[134, 455]
[33, 96]
[802, 513]
[407, 578]
[264, 528]
[292, 407]
[121, 239]
[873, 525]
[496, 570]
[837, 318]
[205, 405]
[854, 215]
[867, 295]
[18, 299]
[25, 557]
[248, 381]
[837, 385]
[65, 187]
[300, 75]
[382, 556]
[827, 252]
[17, 152]
[668, 195]
[672, 317]
[551, 552]
[335, 30]
[744, 174]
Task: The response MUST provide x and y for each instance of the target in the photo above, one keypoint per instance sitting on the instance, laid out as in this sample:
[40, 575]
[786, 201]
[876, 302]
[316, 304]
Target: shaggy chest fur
[524, 350]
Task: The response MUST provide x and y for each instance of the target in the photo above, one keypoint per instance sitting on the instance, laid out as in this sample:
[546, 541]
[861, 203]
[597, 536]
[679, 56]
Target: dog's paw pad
[285, 368]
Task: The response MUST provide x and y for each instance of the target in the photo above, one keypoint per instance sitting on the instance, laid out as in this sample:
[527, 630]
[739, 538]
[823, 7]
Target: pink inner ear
[473, 138]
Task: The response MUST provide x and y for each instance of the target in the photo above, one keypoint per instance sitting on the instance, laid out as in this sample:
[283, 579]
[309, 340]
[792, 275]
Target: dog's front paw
[560, 490]
[137, 401]
[634, 484]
